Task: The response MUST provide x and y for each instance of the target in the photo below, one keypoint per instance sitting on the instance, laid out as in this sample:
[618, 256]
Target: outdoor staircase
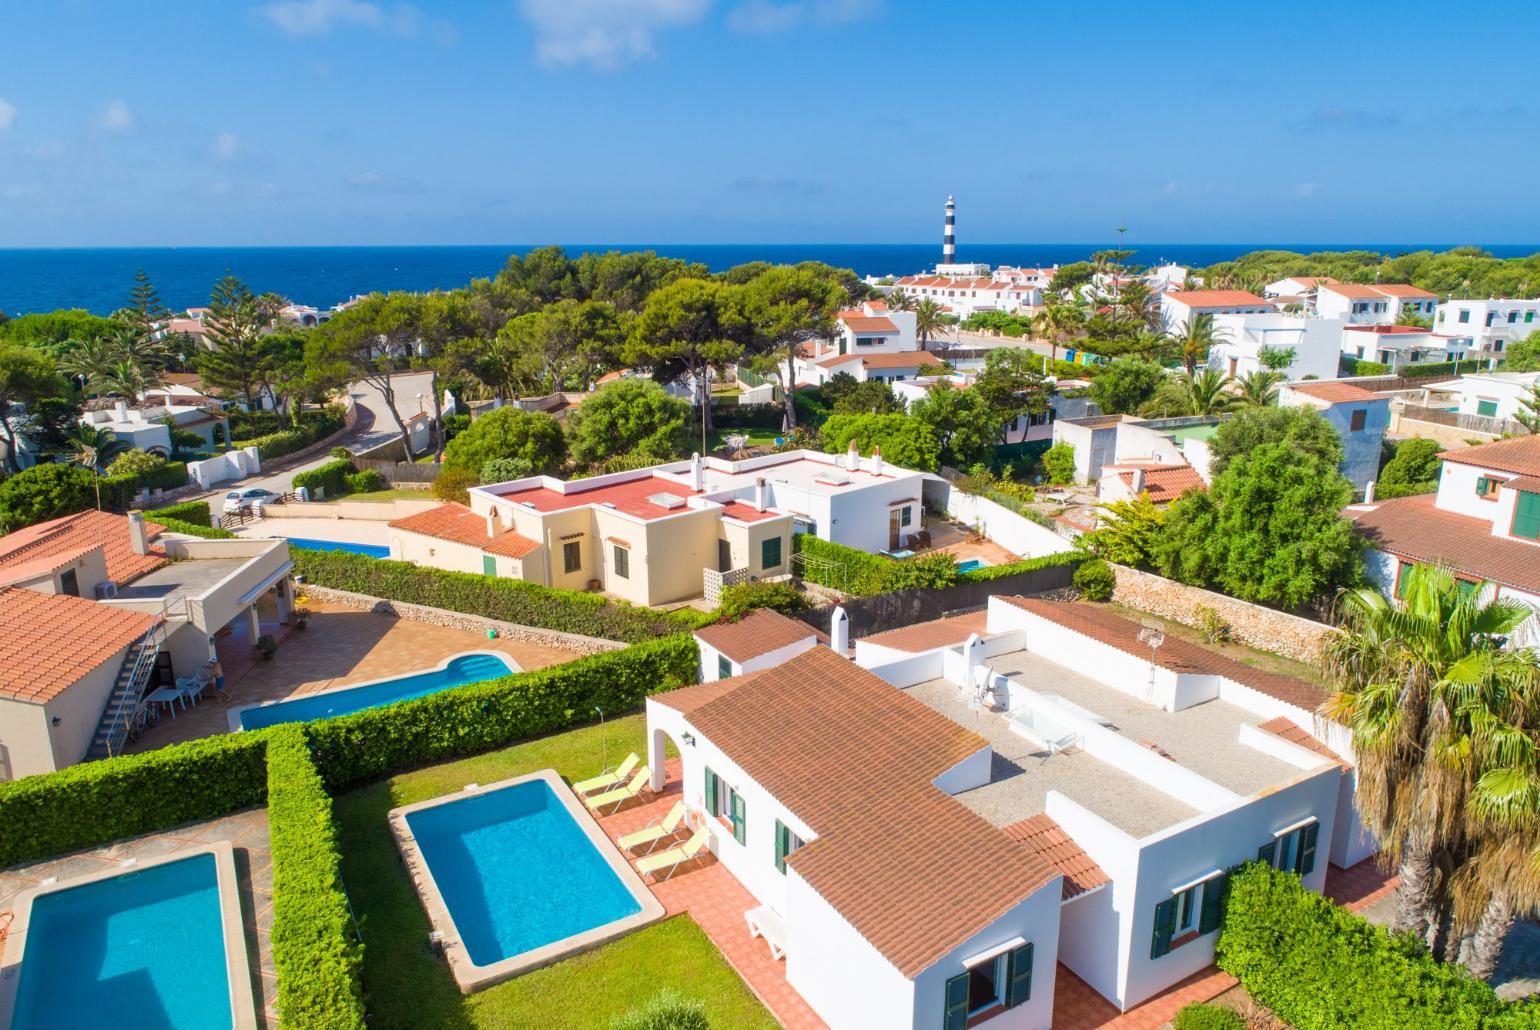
[123, 705]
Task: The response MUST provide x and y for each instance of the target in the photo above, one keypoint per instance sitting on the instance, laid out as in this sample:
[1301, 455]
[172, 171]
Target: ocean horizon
[97, 279]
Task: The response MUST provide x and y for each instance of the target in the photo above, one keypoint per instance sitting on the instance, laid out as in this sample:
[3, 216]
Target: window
[488, 565]
[69, 583]
[1526, 516]
[1464, 317]
[907, 516]
[572, 556]
[770, 552]
[785, 843]
[1003, 980]
[1487, 488]
[1188, 914]
[1357, 420]
[724, 667]
[726, 804]
[622, 562]
[1487, 408]
[1401, 568]
[1529, 316]
[1293, 850]
[724, 556]
[1186, 910]
[1513, 316]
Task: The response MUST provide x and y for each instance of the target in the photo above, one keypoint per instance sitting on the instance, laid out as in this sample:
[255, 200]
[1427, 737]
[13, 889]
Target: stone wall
[1250, 624]
[459, 620]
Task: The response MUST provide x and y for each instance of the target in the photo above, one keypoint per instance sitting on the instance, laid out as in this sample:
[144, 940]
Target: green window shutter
[1018, 984]
[740, 819]
[1165, 926]
[956, 1003]
[1487, 408]
[1526, 516]
[1268, 853]
[488, 565]
[724, 667]
[1213, 893]
[711, 792]
[770, 552]
[781, 846]
[1304, 862]
[1481, 486]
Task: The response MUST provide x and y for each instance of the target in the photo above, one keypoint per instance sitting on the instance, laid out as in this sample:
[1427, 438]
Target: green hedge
[1199, 1016]
[89, 804]
[314, 949]
[329, 480]
[197, 512]
[193, 529]
[316, 425]
[118, 491]
[1442, 368]
[1318, 966]
[380, 741]
[862, 574]
[1351, 366]
[508, 600]
[993, 572]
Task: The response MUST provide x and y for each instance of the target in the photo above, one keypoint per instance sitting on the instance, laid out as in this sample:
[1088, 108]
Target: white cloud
[7, 114]
[318, 17]
[226, 146]
[116, 116]
[603, 33]
[766, 16]
[1306, 189]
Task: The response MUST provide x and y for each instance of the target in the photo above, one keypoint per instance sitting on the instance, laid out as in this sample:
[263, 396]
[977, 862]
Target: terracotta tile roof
[78, 533]
[1524, 484]
[1415, 529]
[1521, 456]
[760, 632]
[458, 524]
[1217, 298]
[857, 322]
[1175, 655]
[927, 636]
[1353, 291]
[1334, 392]
[21, 571]
[877, 305]
[898, 359]
[687, 699]
[52, 640]
[742, 512]
[1405, 291]
[1290, 731]
[913, 871]
[1166, 483]
[1048, 841]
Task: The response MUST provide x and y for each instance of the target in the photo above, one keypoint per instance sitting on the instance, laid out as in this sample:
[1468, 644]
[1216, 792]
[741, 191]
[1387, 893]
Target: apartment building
[1361, 419]
[1314, 343]
[1377, 304]
[1487, 325]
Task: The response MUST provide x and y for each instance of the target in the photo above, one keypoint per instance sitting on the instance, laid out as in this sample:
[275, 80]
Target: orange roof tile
[1334, 392]
[927, 636]
[857, 322]
[78, 533]
[757, 633]
[1166, 483]
[1404, 291]
[1217, 298]
[52, 640]
[458, 524]
[1520, 455]
[897, 359]
[1414, 528]
[1047, 839]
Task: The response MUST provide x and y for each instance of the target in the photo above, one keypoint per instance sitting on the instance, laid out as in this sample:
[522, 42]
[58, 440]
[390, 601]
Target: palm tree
[901, 300]
[1059, 322]
[95, 446]
[1203, 392]
[1258, 389]
[1416, 685]
[929, 321]
[1196, 337]
[89, 360]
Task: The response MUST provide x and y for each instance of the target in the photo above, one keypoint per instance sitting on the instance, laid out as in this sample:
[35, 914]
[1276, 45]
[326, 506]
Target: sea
[98, 279]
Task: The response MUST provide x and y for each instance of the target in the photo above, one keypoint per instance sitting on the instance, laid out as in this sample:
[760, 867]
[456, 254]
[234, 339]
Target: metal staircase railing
[125, 706]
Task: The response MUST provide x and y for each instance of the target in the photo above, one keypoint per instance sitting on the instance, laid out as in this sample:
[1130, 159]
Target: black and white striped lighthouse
[949, 235]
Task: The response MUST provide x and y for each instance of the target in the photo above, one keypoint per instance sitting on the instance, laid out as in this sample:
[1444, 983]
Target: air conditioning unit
[106, 590]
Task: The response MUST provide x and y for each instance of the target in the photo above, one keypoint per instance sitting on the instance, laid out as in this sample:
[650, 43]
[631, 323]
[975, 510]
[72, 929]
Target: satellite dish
[1152, 632]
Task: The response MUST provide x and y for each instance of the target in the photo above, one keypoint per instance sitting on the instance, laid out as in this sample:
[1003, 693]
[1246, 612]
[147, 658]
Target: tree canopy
[1301, 429]
[509, 432]
[1126, 385]
[905, 441]
[44, 492]
[629, 416]
[966, 427]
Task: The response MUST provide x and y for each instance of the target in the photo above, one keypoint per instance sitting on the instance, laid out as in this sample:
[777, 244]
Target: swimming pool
[159, 947]
[372, 550]
[471, 667]
[971, 564]
[517, 875]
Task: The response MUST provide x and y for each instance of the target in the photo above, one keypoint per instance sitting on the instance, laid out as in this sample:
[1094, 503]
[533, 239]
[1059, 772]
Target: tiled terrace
[945, 536]
[246, 831]
[340, 646]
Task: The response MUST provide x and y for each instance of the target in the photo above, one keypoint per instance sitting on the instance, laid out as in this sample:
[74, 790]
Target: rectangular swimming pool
[372, 550]
[471, 667]
[159, 947]
[517, 875]
[971, 564]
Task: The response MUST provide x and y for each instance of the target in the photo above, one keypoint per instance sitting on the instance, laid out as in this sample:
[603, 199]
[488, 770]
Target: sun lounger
[673, 858]
[766, 922]
[616, 798]
[650, 835]
[608, 780]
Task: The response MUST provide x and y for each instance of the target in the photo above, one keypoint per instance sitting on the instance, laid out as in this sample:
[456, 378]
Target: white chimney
[138, 538]
[1369, 493]
[852, 457]
[839, 631]
[120, 409]
[877, 460]
[697, 472]
[1138, 486]
[491, 524]
[759, 494]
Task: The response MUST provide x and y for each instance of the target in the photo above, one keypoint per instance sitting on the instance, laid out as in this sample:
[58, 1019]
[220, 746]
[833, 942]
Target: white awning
[1202, 879]
[995, 952]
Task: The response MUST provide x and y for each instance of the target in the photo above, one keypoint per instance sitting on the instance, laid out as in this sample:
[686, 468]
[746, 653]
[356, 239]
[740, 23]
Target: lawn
[389, 495]
[757, 437]
[407, 987]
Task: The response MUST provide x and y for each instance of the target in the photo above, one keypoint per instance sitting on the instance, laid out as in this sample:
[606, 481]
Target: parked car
[240, 500]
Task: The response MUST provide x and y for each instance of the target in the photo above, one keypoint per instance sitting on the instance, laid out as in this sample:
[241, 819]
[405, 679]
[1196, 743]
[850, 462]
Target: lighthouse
[949, 234]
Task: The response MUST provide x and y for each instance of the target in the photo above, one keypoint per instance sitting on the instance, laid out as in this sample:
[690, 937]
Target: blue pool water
[372, 550]
[516, 871]
[467, 668]
[971, 564]
[142, 950]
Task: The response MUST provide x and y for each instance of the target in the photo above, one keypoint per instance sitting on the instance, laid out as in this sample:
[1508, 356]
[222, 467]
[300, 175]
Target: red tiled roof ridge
[758, 633]
[1047, 839]
[80, 532]
[1519, 455]
[457, 524]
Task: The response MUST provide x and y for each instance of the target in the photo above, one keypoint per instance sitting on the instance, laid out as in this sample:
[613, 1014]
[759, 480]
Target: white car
[240, 500]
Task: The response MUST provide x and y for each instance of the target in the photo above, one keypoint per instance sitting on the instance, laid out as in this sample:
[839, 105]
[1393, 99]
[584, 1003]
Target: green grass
[389, 495]
[757, 437]
[406, 987]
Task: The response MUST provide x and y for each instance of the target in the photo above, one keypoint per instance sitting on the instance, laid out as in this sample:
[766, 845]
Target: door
[724, 556]
[488, 565]
[893, 529]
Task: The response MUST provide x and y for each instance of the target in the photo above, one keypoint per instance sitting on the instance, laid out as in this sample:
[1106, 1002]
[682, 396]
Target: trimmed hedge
[329, 480]
[1319, 967]
[864, 574]
[118, 491]
[197, 512]
[317, 958]
[350, 749]
[508, 600]
[89, 804]
[193, 529]
[317, 424]
[1048, 561]
[1352, 366]
[1199, 1016]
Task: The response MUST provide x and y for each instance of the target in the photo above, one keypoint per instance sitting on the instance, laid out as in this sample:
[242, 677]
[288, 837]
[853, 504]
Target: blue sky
[521, 121]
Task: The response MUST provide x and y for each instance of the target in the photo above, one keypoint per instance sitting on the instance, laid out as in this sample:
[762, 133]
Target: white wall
[1457, 492]
[1505, 393]
[1011, 531]
[1316, 343]
[846, 981]
[710, 665]
[230, 465]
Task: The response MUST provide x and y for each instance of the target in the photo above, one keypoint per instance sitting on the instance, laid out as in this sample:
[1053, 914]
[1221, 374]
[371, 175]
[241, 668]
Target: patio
[959, 543]
[340, 646]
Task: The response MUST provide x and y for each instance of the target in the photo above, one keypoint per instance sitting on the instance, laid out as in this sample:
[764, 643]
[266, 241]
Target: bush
[89, 804]
[1199, 1016]
[341, 453]
[454, 485]
[119, 491]
[667, 1010]
[316, 425]
[505, 470]
[381, 741]
[1209, 623]
[860, 573]
[1415, 461]
[454, 425]
[1095, 579]
[329, 480]
[365, 482]
[1059, 464]
[193, 529]
[314, 950]
[1390, 491]
[746, 416]
[745, 597]
[45, 492]
[993, 572]
[196, 512]
[1352, 366]
[135, 462]
[1318, 966]
[508, 600]
[509, 432]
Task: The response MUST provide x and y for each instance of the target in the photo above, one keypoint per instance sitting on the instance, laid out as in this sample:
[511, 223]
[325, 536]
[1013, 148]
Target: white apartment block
[1177, 307]
[1487, 325]
[870, 342]
[1315, 342]
[1379, 304]
[965, 296]
[1399, 345]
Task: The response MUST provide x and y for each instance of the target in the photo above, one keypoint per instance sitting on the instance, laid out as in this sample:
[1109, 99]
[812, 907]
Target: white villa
[1490, 394]
[1178, 306]
[935, 826]
[1377, 304]
[1487, 325]
[872, 343]
[1240, 340]
[1010, 291]
[1400, 345]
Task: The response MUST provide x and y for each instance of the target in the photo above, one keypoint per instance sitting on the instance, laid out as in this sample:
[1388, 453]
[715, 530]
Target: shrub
[860, 573]
[365, 482]
[454, 485]
[316, 425]
[341, 453]
[1318, 966]
[993, 572]
[314, 950]
[45, 492]
[1390, 491]
[508, 600]
[329, 480]
[1059, 464]
[667, 1010]
[745, 597]
[118, 491]
[509, 432]
[504, 470]
[196, 512]
[86, 805]
[193, 529]
[1095, 579]
[1415, 461]
[1208, 622]
[1352, 366]
[135, 462]
[454, 425]
[380, 741]
[1199, 1016]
